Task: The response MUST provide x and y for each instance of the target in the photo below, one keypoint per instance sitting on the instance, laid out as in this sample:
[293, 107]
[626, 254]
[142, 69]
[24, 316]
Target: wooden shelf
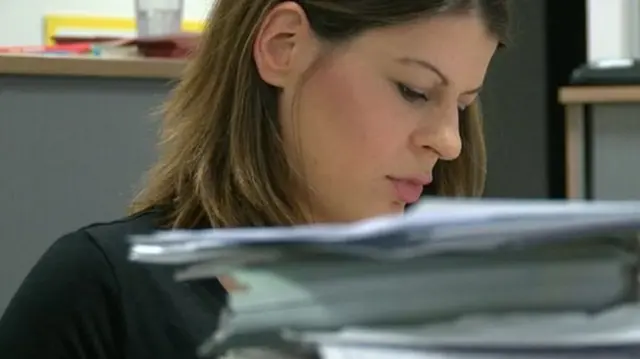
[89, 66]
[599, 94]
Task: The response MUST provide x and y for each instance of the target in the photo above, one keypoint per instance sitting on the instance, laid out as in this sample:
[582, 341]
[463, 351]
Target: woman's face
[368, 124]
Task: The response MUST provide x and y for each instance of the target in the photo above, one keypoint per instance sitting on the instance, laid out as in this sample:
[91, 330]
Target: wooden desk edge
[90, 67]
[575, 95]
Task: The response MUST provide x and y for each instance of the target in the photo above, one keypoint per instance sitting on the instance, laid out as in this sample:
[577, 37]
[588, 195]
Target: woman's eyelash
[413, 95]
[409, 94]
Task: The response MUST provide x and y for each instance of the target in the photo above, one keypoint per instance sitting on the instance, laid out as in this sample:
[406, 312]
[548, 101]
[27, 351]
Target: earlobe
[277, 40]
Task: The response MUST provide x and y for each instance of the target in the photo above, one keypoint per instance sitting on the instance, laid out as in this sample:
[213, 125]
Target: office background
[608, 22]
[66, 161]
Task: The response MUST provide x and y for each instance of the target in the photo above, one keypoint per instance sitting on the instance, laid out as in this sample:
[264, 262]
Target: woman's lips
[408, 190]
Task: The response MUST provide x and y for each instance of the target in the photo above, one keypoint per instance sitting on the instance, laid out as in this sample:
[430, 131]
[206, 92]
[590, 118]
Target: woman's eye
[409, 94]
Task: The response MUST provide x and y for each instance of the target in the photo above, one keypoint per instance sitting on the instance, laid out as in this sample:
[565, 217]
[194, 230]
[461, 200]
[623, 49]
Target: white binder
[450, 279]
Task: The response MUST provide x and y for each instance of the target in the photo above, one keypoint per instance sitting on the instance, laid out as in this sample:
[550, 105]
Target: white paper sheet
[434, 225]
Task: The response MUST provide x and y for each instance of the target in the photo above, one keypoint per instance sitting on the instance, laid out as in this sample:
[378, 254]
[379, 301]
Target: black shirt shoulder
[85, 299]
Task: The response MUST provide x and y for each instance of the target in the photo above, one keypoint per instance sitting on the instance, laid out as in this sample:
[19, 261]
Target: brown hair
[221, 156]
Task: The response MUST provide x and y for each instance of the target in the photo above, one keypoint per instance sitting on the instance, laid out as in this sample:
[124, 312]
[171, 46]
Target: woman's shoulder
[116, 233]
[112, 237]
[101, 249]
[149, 293]
[85, 292]
[68, 301]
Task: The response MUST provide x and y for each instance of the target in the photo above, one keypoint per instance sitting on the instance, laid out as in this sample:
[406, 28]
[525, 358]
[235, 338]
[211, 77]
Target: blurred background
[79, 81]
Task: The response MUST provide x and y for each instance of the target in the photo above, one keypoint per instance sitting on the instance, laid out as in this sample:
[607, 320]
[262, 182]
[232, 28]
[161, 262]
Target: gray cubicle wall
[614, 158]
[72, 151]
[515, 108]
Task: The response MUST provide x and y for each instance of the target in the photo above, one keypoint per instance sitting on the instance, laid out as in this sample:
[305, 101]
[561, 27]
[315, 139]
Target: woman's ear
[282, 44]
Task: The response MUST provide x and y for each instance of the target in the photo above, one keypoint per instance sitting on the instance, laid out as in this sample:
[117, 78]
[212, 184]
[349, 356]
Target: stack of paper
[612, 333]
[407, 285]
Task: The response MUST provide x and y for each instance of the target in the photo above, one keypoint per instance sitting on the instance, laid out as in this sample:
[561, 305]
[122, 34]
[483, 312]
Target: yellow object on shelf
[79, 25]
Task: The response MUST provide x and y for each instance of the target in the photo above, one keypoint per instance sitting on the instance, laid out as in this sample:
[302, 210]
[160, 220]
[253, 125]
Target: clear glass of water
[159, 17]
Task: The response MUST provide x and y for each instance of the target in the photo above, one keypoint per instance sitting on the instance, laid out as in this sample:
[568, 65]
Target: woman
[290, 112]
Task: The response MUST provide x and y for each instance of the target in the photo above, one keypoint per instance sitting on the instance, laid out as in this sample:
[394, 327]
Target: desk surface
[88, 66]
[598, 94]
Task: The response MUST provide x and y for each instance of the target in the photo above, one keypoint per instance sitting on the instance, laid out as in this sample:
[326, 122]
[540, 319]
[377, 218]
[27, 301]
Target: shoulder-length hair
[221, 157]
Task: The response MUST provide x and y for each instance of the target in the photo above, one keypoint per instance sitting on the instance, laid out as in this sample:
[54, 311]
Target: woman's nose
[440, 132]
